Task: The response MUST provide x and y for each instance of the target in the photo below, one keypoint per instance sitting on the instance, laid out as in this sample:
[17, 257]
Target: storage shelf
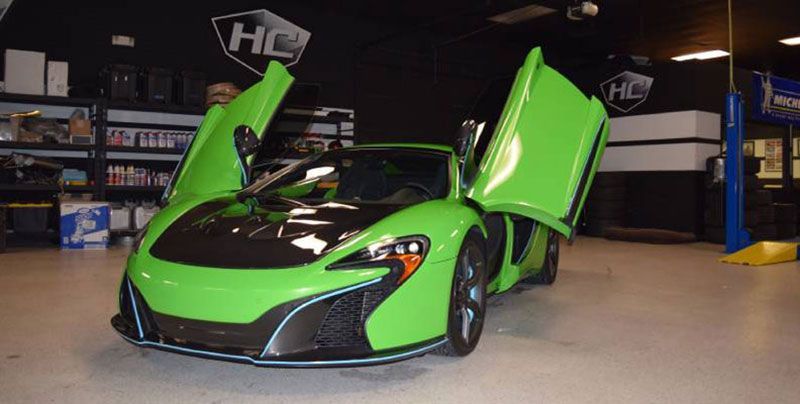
[45, 146]
[150, 150]
[167, 108]
[43, 187]
[47, 100]
[134, 188]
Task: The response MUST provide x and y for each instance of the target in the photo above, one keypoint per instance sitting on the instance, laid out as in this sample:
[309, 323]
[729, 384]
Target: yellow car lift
[764, 253]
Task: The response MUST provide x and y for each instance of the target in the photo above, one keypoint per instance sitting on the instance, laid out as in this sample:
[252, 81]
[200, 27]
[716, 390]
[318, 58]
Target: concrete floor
[623, 323]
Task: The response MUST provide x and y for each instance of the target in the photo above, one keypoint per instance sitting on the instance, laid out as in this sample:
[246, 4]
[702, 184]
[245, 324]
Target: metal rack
[330, 123]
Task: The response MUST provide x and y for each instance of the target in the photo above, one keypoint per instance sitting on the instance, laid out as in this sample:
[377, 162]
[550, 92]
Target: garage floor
[624, 323]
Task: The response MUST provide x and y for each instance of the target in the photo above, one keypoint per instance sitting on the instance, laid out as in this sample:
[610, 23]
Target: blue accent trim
[242, 358]
[736, 237]
[312, 301]
[135, 310]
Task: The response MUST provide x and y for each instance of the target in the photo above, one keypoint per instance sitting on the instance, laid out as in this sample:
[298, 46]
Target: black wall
[401, 88]
[176, 35]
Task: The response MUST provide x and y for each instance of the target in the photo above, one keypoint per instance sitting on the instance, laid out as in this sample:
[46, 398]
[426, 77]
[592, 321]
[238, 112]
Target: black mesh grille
[125, 307]
[343, 325]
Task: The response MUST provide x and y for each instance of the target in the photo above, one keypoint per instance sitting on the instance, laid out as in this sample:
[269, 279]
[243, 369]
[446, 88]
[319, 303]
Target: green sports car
[361, 255]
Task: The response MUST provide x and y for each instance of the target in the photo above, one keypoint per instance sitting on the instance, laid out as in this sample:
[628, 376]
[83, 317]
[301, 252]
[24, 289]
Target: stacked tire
[785, 220]
[765, 229]
[2, 229]
[605, 206]
[714, 215]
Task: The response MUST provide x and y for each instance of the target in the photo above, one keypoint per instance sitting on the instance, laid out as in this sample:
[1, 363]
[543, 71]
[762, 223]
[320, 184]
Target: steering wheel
[419, 187]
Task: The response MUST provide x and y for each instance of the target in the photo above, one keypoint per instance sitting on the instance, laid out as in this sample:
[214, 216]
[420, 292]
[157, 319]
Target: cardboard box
[57, 74]
[84, 225]
[80, 126]
[24, 72]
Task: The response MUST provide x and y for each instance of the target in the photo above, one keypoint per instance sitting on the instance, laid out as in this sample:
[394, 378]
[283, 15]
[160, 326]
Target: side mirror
[464, 138]
[246, 141]
[247, 144]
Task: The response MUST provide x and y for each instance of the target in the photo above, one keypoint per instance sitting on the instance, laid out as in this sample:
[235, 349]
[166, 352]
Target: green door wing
[544, 151]
[211, 164]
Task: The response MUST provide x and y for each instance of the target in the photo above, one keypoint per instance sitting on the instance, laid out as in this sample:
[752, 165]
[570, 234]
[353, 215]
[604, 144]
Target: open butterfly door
[545, 149]
[212, 163]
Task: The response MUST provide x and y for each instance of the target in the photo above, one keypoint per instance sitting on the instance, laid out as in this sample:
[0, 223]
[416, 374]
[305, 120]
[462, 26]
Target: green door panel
[211, 164]
[545, 149]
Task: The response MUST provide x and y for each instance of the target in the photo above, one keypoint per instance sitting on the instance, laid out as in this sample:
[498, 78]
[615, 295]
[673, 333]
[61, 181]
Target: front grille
[344, 323]
[125, 305]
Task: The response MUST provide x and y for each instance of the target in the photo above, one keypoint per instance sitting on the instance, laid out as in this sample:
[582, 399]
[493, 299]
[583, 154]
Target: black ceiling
[658, 29]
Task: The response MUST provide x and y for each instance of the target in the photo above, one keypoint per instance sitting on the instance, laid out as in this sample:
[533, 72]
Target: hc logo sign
[253, 38]
[626, 90]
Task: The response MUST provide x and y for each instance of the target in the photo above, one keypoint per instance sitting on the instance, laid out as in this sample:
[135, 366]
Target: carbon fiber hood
[260, 234]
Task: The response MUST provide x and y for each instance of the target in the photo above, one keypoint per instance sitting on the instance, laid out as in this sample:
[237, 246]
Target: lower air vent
[344, 323]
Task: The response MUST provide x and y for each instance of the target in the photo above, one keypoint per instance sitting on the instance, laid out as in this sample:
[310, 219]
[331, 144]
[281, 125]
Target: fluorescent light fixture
[791, 41]
[521, 14]
[716, 53]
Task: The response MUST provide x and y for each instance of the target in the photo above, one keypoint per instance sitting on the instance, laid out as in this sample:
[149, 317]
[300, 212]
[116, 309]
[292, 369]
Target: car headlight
[402, 255]
[139, 239]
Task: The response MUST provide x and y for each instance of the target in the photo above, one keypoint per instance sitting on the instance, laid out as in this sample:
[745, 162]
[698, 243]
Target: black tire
[607, 194]
[766, 214]
[547, 275]
[750, 183]
[764, 197]
[765, 232]
[467, 298]
[750, 200]
[715, 234]
[786, 230]
[751, 218]
[597, 228]
[606, 210]
[713, 217]
[785, 213]
[2, 229]
[752, 165]
[610, 179]
[714, 198]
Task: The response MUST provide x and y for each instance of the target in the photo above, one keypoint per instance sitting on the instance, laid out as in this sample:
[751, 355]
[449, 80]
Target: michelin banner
[776, 100]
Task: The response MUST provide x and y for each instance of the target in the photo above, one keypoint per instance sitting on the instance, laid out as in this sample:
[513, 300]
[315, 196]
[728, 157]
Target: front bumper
[323, 330]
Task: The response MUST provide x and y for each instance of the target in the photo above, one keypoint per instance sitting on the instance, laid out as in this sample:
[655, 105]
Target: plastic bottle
[110, 175]
[171, 140]
[152, 140]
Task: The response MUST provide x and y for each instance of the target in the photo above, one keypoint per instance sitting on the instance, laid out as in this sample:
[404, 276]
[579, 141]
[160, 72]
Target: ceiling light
[791, 41]
[521, 14]
[716, 53]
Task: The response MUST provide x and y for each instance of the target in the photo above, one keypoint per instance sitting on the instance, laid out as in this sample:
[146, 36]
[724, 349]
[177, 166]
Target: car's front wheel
[467, 299]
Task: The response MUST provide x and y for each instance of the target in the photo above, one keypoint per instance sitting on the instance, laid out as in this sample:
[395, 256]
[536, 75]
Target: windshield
[392, 176]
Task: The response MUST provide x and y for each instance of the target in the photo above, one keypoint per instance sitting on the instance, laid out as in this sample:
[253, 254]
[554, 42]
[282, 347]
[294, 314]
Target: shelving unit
[134, 188]
[327, 125]
[84, 157]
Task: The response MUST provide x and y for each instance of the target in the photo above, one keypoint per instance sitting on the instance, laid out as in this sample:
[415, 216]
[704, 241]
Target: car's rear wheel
[550, 267]
[467, 299]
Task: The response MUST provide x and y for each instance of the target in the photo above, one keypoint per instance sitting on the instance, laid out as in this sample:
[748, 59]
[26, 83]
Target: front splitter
[395, 356]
